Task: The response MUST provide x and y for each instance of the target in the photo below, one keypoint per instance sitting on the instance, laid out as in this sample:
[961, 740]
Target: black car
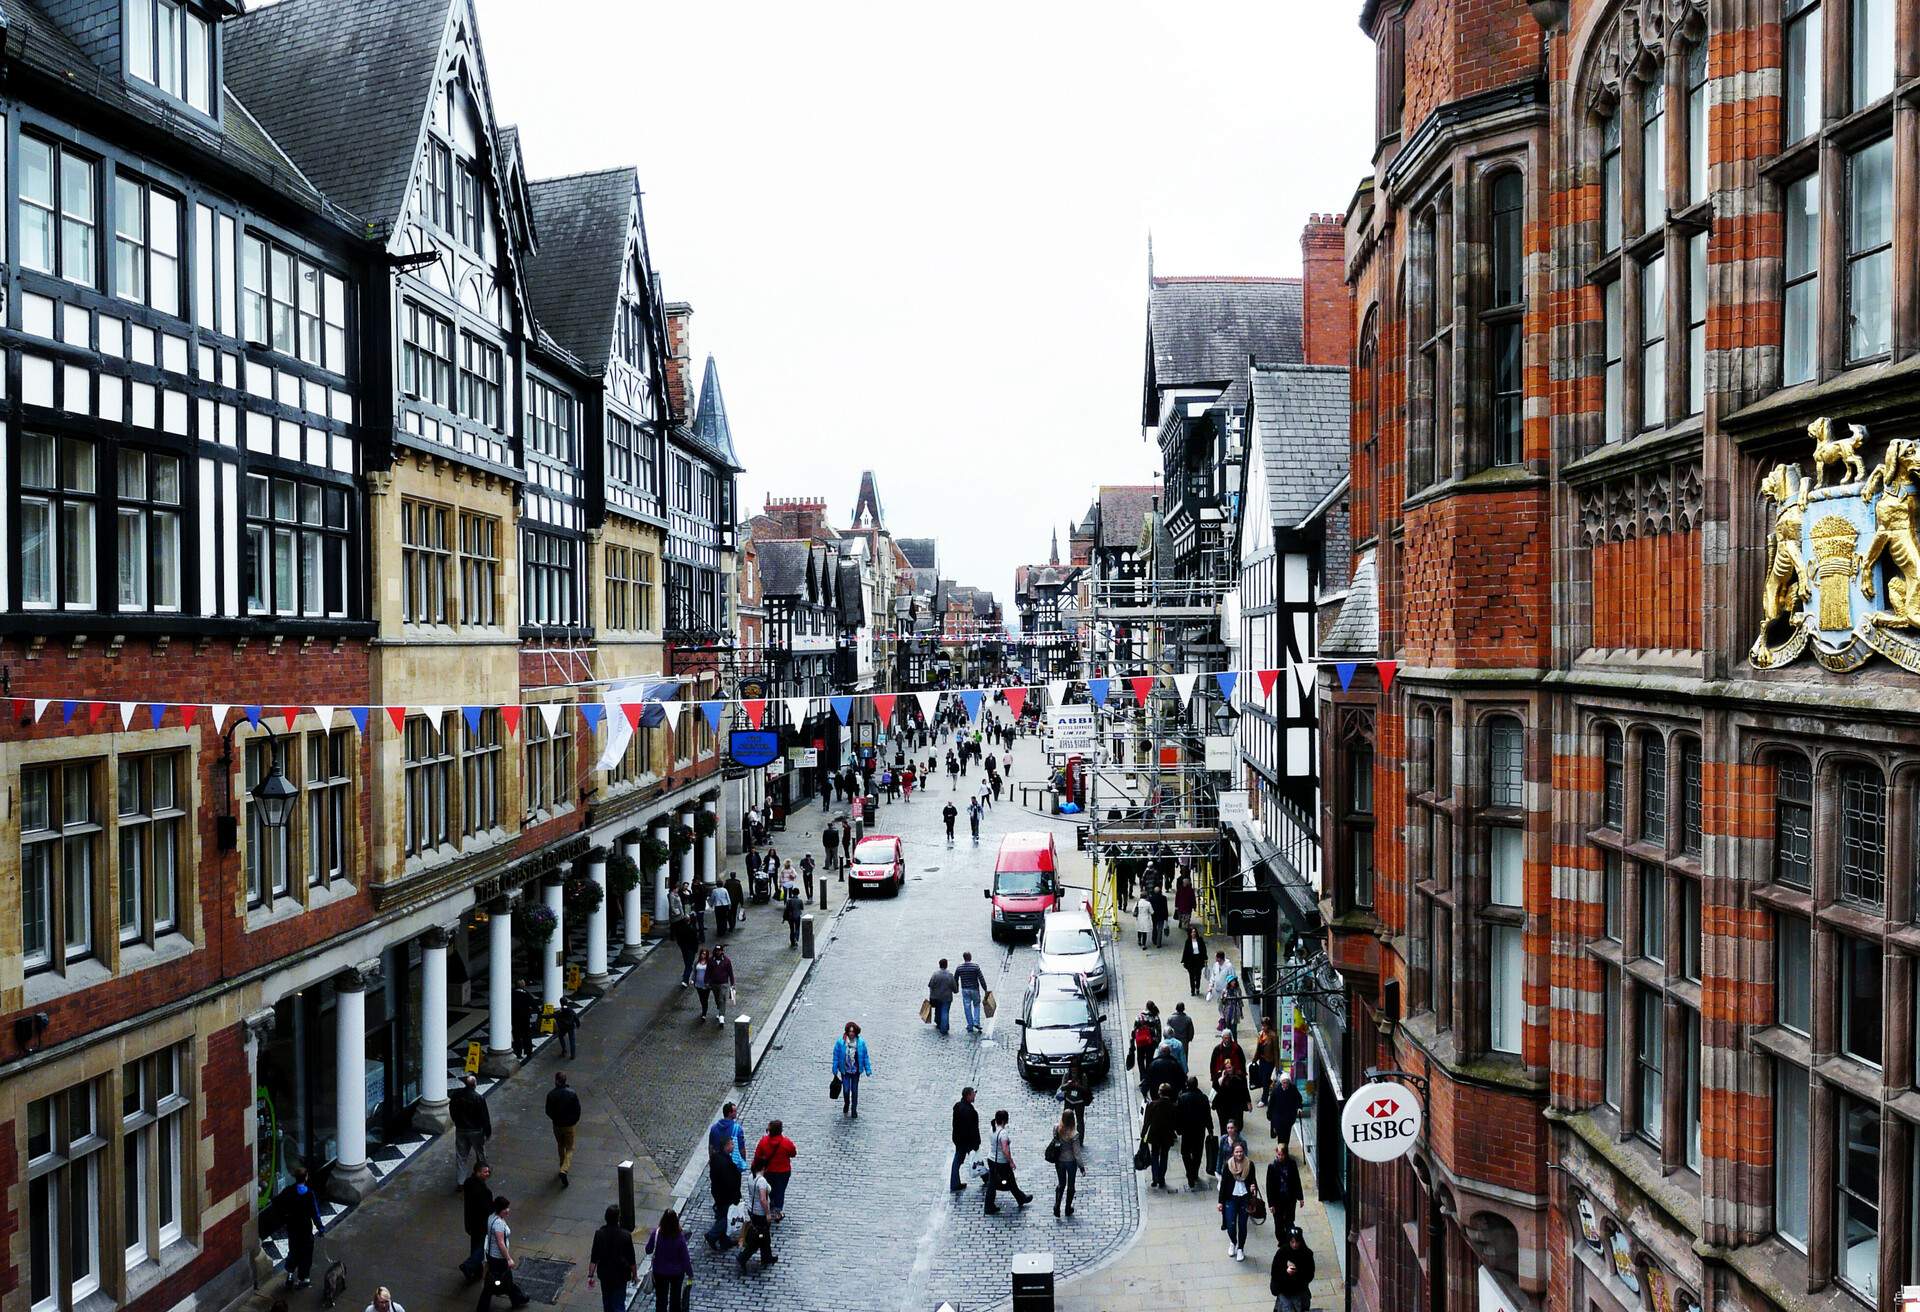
[1059, 1029]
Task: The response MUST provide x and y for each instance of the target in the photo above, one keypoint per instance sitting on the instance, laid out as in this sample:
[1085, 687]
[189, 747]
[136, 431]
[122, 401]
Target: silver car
[1070, 944]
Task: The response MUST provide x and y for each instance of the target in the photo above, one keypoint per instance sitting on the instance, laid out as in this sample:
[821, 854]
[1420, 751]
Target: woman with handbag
[1238, 1190]
[850, 1062]
[672, 1264]
[1064, 1153]
[1266, 1056]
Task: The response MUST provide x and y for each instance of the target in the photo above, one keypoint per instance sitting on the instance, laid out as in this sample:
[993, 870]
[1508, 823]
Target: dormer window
[170, 48]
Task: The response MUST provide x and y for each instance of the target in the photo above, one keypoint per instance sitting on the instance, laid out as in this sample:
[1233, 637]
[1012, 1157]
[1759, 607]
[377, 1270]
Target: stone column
[499, 1057]
[351, 1177]
[683, 875]
[709, 846]
[556, 949]
[658, 877]
[431, 1115]
[630, 908]
[597, 978]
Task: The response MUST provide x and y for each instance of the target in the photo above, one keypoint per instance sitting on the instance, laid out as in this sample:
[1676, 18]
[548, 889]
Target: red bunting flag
[883, 706]
[187, 713]
[1386, 670]
[510, 716]
[291, 713]
[398, 714]
[20, 708]
[1142, 685]
[1016, 701]
[1267, 679]
[633, 711]
[94, 711]
[756, 709]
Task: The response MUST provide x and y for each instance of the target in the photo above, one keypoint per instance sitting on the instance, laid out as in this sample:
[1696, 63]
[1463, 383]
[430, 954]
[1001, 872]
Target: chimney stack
[1326, 316]
[679, 364]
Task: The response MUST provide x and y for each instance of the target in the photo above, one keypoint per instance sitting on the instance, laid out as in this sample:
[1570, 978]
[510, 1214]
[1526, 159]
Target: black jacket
[563, 1107]
[476, 1196]
[1160, 1126]
[1180, 1025]
[1195, 1117]
[523, 1009]
[1194, 953]
[1166, 1070]
[966, 1126]
[1283, 1108]
[1283, 1183]
[1302, 1278]
[726, 1178]
[1232, 1100]
[469, 1111]
[612, 1256]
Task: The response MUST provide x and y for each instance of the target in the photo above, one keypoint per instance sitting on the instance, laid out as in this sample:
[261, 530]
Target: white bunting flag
[220, 710]
[550, 712]
[1057, 692]
[797, 708]
[1184, 683]
[126, 714]
[40, 705]
[433, 714]
[325, 714]
[929, 703]
[672, 711]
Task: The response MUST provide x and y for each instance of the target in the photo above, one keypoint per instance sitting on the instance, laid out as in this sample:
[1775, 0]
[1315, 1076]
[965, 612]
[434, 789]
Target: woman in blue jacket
[850, 1063]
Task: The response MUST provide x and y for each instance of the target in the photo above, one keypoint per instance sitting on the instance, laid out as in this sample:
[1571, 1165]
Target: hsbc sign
[1380, 1121]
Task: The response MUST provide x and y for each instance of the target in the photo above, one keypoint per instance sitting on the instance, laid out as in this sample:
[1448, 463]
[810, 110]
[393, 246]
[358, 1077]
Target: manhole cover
[931, 870]
[540, 1278]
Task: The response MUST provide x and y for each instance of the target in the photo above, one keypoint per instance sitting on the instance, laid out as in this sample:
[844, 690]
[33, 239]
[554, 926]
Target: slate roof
[710, 429]
[853, 610]
[575, 278]
[783, 567]
[1299, 417]
[921, 553]
[1122, 510]
[1356, 630]
[1203, 330]
[343, 88]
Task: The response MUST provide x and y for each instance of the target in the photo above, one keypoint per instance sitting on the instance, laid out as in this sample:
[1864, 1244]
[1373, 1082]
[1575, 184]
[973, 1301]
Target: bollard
[742, 1048]
[806, 938]
[627, 1219]
[823, 895]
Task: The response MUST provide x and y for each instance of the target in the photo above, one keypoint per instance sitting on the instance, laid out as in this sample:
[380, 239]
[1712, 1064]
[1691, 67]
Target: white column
[659, 875]
[500, 988]
[709, 846]
[556, 946]
[351, 1176]
[684, 875]
[432, 1112]
[596, 978]
[630, 909]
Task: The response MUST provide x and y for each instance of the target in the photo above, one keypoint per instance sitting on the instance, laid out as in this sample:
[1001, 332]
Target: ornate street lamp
[275, 796]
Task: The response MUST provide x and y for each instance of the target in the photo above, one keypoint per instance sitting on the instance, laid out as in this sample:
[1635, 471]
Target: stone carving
[1666, 499]
[1786, 570]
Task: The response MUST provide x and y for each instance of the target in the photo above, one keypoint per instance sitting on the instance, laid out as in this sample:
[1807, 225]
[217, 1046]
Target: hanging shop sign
[803, 758]
[1070, 729]
[1249, 912]
[1380, 1121]
[1220, 752]
[752, 747]
[1235, 806]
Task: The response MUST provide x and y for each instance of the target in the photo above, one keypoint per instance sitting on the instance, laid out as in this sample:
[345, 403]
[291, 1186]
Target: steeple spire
[1053, 556]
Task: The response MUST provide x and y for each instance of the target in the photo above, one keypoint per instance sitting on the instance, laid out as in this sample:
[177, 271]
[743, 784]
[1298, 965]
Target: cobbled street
[869, 1221]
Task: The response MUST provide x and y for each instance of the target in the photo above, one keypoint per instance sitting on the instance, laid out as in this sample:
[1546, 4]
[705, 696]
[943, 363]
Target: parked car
[1071, 944]
[879, 862]
[1060, 1029]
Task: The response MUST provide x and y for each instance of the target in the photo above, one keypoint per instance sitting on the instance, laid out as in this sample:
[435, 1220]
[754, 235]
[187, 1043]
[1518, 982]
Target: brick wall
[1326, 316]
[1477, 576]
[1646, 592]
[679, 363]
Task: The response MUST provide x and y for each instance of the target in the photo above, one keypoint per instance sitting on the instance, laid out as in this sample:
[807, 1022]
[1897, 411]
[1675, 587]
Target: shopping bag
[987, 1004]
[833, 1088]
[926, 1011]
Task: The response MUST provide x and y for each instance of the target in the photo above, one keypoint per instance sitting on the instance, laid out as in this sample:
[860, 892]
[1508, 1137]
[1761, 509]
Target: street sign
[473, 1058]
[1235, 805]
[1380, 1121]
[1071, 729]
[751, 747]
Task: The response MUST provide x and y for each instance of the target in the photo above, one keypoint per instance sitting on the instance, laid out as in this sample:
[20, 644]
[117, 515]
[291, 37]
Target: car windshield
[1058, 1011]
[1019, 883]
[1070, 941]
[874, 852]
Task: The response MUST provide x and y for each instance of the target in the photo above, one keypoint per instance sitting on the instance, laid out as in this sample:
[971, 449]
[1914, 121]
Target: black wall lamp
[274, 795]
[29, 1030]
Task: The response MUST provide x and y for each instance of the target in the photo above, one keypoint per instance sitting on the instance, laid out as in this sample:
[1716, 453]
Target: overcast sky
[914, 236]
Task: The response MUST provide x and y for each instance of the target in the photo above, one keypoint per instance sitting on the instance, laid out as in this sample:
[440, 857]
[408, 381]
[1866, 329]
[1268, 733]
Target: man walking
[299, 1209]
[472, 1127]
[973, 819]
[966, 1137]
[1194, 1118]
[724, 1166]
[949, 814]
[563, 1109]
[728, 1134]
[940, 991]
[791, 908]
[500, 1260]
[566, 1028]
[972, 982]
[476, 1201]
[613, 1262]
[722, 909]
[523, 1009]
[830, 844]
[719, 977]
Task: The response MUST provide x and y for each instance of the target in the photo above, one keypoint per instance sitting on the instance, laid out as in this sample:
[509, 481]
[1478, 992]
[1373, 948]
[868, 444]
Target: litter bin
[1033, 1282]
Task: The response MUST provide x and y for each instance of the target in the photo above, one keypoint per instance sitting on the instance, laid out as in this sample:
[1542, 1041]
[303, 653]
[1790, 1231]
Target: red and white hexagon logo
[1380, 1108]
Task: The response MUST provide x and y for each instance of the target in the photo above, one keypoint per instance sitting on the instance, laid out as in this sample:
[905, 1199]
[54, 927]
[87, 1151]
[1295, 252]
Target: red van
[1026, 884]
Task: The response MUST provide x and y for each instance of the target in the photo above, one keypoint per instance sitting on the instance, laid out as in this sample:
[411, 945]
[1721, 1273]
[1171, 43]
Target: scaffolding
[1152, 804]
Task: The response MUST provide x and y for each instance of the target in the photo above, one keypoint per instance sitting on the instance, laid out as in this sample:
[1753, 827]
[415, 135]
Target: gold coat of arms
[1843, 565]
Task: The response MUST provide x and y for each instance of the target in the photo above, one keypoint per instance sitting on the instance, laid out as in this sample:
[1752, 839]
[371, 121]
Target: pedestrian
[563, 1109]
[1158, 901]
[996, 782]
[383, 1301]
[722, 909]
[476, 1205]
[684, 937]
[830, 844]
[789, 882]
[500, 1260]
[1142, 918]
[886, 784]
[1179, 1050]
[1227, 1055]
[1292, 1279]
[612, 1261]
[1232, 1006]
[672, 1264]
[791, 910]
[298, 1208]
[758, 1236]
[1165, 1068]
[700, 985]
[1231, 1098]
[1184, 902]
[1076, 1095]
[941, 987]
[1237, 1189]
[725, 1163]
[966, 1137]
[1064, 1153]
[523, 1008]
[906, 784]
[986, 793]
[697, 908]
[1000, 1164]
[973, 987]
[472, 1127]
[1159, 1128]
[973, 819]
[736, 902]
[774, 1155]
[1266, 1056]
[566, 1028]
[850, 1062]
[806, 874]
[720, 980]
[1284, 1192]
[949, 814]
[1180, 1024]
[1142, 1045]
[1195, 1120]
[1283, 1109]
[1230, 1138]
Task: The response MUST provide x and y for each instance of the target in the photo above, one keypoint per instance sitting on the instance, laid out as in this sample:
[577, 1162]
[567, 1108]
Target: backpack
[1142, 1035]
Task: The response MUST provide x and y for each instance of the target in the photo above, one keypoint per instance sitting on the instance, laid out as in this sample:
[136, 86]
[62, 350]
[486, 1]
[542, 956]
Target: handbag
[987, 1004]
[1052, 1152]
[926, 1011]
[1256, 1206]
[833, 1087]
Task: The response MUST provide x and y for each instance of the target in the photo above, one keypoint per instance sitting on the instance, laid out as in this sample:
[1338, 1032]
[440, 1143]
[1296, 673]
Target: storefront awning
[1299, 904]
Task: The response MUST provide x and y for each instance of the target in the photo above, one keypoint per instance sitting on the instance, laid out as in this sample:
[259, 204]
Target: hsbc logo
[1380, 1122]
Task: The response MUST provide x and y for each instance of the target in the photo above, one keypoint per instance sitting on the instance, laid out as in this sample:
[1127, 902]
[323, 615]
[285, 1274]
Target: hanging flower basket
[653, 852]
[705, 823]
[682, 840]
[536, 921]
[582, 894]
[622, 874]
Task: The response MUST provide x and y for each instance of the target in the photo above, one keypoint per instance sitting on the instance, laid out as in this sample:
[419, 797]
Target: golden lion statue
[1893, 537]
[1786, 588]
[1831, 450]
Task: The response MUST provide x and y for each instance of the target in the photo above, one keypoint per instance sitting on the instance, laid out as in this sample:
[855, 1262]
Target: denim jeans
[717, 1232]
[970, 1004]
[940, 1013]
[777, 1182]
[953, 1175]
[1236, 1221]
[1160, 1155]
[850, 1093]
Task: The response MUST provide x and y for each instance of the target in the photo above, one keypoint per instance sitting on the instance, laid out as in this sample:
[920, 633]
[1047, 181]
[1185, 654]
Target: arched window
[1613, 778]
[1863, 835]
[1505, 312]
[1792, 820]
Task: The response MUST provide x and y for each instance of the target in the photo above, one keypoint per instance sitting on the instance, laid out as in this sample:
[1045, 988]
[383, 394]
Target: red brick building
[1622, 859]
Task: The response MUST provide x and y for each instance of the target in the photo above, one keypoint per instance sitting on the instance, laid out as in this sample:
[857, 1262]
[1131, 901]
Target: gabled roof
[921, 553]
[344, 89]
[853, 610]
[1201, 332]
[783, 567]
[575, 278]
[1300, 421]
[1122, 510]
[869, 501]
[1356, 630]
[710, 429]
